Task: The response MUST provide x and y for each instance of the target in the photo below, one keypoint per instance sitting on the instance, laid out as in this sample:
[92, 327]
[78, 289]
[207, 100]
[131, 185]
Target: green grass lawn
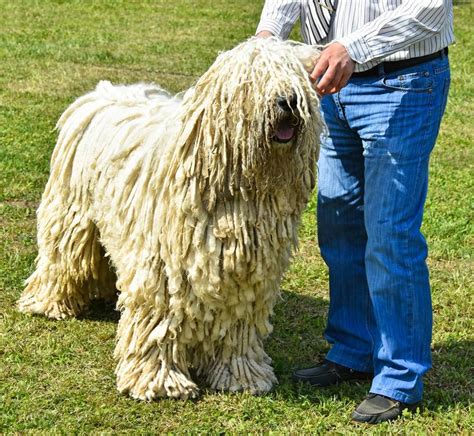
[58, 376]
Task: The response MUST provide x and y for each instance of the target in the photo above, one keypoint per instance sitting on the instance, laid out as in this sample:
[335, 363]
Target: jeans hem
[355, 364]
[396, 395]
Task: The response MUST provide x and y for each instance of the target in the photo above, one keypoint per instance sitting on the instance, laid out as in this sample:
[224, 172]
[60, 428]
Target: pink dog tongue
[285, 133]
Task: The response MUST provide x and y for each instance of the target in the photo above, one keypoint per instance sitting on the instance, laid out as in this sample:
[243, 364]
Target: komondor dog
[189, 207]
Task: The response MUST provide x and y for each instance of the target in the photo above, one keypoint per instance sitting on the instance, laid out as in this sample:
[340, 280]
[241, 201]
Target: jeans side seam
[407, 238]
[370, 308]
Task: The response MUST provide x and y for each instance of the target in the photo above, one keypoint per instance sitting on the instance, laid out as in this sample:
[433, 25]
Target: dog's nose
[287, 103]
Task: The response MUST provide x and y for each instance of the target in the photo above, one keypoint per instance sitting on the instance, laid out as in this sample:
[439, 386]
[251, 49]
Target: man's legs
[342, 240]
[398, 118]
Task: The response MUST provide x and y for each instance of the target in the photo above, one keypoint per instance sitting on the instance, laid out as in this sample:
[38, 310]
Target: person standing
[383, 78]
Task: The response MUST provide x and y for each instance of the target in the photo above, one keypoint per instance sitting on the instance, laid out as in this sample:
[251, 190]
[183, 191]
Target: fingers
[344, 78]
[334, 69]
[320, 67]
[330, 80]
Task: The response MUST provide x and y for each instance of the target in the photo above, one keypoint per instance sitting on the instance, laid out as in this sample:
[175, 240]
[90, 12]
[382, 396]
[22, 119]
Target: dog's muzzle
[286, 126]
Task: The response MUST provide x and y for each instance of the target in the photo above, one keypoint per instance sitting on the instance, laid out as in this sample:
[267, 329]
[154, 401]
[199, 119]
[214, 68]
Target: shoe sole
[388, 415]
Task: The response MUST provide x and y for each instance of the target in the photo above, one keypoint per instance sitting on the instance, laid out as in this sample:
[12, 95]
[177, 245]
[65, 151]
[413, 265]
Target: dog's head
[295, 105]
[254, 112]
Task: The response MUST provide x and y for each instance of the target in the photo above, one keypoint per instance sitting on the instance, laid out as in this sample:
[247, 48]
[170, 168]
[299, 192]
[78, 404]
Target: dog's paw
[164, 383]
[51, 309]
[242, 374]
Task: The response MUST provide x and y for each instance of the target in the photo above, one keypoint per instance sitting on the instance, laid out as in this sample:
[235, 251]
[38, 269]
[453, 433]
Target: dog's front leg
[241, 363]
[152, 361]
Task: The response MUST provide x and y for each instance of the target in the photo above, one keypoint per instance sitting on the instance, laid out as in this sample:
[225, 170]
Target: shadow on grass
[101, 310]
[297, 341]
[451, 379]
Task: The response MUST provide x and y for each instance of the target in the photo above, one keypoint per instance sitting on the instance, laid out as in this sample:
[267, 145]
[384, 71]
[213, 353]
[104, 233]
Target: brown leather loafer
[378, 408]
[329, 374]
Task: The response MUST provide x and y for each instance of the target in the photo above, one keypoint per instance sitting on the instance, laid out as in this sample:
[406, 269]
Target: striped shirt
[371, 30]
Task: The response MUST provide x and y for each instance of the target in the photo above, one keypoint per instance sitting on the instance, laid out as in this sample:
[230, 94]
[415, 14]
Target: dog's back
[107, 134]
[106, 125]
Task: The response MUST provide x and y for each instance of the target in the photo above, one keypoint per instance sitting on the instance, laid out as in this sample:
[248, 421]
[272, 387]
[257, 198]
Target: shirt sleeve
[411, 22]
[279, 17]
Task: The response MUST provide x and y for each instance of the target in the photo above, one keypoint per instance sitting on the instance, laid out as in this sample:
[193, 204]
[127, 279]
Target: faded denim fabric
[372, 182]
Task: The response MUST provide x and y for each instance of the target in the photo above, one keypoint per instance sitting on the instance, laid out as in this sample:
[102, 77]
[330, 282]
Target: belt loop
[381, 69]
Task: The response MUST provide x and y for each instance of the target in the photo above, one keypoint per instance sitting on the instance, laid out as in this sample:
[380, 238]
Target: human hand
[264, 34]
[334, 68]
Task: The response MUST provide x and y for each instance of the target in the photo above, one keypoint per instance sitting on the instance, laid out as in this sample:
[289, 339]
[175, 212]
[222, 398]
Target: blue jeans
[373, 179]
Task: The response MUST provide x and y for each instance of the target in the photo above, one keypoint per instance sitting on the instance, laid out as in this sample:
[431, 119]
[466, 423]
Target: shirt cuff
[273, 26]
[357, 48]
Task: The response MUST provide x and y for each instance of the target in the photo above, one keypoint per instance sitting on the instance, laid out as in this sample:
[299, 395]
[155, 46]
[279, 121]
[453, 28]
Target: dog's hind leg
[69, 263]
[103, 281]
[152, 361]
